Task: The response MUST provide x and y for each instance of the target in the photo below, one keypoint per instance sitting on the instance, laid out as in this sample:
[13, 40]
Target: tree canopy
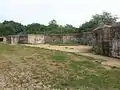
[98, 19]
[13, 28]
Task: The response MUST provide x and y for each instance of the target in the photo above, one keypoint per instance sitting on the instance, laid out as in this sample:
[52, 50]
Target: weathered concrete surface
[35, 39]
[107, 40]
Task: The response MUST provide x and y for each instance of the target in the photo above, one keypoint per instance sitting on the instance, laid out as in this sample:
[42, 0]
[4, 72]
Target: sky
[74, 12]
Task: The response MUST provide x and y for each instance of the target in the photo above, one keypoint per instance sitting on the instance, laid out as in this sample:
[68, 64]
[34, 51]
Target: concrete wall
[53, 39]
[23, 39]
[3, 39]
[14, 39]
[115, 41]
[70, 38]
[115, 48]
[101, 37]
[84, 39]
[35, 39]
[107, 41]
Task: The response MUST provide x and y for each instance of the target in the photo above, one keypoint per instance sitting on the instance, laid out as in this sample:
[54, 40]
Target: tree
[6, 30]
[53, 22]
[17, 27]
[53, 27]
[98, 19]
[69, 26]
[88, 26]
[69, 29]
[35, 28]
[104, 18]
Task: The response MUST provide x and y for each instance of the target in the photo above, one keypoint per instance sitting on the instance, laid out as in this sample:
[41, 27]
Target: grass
[35, 68]
[58, 57]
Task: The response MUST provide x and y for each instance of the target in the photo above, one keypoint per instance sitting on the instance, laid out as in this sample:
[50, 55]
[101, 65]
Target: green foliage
[98, 19]
[35, 28]
[88, 26]
[104, 18]
[12, 28]
[16, 27]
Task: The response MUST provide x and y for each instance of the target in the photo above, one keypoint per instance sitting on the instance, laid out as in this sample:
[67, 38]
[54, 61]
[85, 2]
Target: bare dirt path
[81, 50]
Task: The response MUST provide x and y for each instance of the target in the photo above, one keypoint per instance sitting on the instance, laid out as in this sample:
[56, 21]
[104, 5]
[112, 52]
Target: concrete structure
[68, 39]
[53, 38]
[2, 39]
[24, 39]
[107, 40]
[86, 38]
[101, 40]
[15, 39]
[71, 38]
[35, 39]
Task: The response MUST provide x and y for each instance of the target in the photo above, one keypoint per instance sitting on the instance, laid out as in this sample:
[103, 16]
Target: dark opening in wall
[1, 39]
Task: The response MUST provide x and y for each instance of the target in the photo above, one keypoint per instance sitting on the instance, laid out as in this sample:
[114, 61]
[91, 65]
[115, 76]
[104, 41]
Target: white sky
[73, 12]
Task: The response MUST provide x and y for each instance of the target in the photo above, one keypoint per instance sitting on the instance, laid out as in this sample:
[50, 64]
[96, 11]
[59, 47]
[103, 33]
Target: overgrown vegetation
[35, 68]
[11, 27]
[99, 19]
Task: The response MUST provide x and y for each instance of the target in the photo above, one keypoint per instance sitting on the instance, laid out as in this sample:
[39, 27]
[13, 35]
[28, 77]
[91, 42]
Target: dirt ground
[81, 50]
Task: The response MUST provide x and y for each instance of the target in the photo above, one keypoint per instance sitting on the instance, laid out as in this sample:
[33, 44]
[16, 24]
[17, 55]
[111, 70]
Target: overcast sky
[73, 12]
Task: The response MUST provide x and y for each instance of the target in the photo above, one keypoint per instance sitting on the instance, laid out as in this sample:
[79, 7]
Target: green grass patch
[23, 65]
[58, 57]
[87, 64]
